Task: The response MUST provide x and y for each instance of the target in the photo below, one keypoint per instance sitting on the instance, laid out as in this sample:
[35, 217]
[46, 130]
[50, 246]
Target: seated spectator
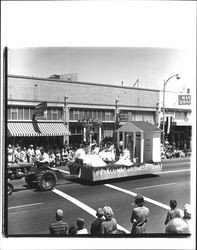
[109, 224]
[139, 216]
[187, 215]
[173, 213]
[177, 226]
[59, 227]
[72, 230]
[80, 226]
[96, 224]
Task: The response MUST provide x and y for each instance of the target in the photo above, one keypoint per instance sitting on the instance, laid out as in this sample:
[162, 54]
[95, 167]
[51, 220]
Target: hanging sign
[41, 110]
[184, 99]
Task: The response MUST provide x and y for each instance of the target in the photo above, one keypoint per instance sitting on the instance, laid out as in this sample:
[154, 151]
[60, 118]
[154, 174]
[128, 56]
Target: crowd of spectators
[105, 223]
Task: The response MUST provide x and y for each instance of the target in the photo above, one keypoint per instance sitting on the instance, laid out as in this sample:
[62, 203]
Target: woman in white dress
[92, 159]
[125, 158]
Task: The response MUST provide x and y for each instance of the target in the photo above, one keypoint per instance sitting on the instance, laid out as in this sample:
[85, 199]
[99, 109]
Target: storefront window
[9, 113]
[32, 112]
[60, 114]
[54, 113]
[81, 114]
[14, 113]
[20, 113]
[26, 113]
[107, 115]
[49, 115]
[76, 115]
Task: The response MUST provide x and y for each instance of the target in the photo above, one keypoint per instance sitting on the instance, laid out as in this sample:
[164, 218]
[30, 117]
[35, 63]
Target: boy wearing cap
[59, 227]
[96, 224]
[139, 216]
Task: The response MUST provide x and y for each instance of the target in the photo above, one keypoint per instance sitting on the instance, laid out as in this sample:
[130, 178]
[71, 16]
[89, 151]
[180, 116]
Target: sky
[103, 41]
[110, 65]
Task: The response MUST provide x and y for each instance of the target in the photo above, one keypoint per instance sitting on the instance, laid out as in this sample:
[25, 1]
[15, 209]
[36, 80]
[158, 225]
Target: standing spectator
[18, 156]
[173, 213]
[109, 224]
[31, 153]
[24, 155]
[96, 224]
[177, 226]
[51, 157]
[10, 152]
[37, 153]
[80, 226]
[139, 216]
[59, 227]
[72, 230]
[187, 215]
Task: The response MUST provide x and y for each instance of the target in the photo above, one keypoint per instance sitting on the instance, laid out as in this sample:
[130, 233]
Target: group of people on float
[105, 223]
[93, 156]
[88, 154]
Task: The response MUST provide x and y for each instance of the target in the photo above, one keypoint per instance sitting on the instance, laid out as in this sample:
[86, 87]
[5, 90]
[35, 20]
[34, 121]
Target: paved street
[31, 212]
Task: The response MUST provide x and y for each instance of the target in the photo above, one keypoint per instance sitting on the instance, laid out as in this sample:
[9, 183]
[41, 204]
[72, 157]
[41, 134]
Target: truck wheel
[30, 180]
[10, 188]
[46, 180]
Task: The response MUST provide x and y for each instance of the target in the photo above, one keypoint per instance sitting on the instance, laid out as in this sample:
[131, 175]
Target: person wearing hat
[80, 153]
[96, 224]
[109, 224]
[80, 226]
[139, 216]
[187, 214]
[59, 227]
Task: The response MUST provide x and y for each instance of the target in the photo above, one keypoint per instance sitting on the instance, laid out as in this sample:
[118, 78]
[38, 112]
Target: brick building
[74, 104]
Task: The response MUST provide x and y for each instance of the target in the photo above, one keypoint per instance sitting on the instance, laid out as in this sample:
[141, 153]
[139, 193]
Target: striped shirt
[58, 228]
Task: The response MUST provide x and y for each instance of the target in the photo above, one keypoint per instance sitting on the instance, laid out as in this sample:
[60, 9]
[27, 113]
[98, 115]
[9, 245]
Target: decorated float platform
[114, 171]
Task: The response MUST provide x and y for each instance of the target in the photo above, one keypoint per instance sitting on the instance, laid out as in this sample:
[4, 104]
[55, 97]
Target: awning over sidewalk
[36, 129]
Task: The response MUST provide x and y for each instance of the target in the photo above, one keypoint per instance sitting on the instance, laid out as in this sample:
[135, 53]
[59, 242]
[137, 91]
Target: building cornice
[80, 83]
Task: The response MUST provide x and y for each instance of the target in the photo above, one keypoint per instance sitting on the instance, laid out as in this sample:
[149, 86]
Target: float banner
[184, 99]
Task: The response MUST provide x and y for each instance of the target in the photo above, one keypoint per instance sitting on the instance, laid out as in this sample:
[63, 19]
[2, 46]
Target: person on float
[108, 154]
[92, 159]
[125, 158]
[80, 153]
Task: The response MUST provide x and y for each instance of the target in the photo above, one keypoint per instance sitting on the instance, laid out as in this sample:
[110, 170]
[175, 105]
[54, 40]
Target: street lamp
[164, 88]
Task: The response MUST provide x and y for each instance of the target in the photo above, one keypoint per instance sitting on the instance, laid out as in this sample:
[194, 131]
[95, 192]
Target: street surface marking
[161, 185]
[82, 205]
[174, 171]
[134, 194]
[28, 205]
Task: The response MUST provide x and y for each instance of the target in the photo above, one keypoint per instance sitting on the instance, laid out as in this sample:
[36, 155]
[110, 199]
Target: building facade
[177, 119]
[87, 110]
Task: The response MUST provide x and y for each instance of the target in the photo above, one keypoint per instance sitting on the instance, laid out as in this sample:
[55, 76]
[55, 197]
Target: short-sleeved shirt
[108, 226]
[173, 213]
[82, 231]
[58, 228]
[96, 226]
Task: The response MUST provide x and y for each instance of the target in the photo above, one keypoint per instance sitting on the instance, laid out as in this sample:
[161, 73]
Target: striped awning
[36, 129]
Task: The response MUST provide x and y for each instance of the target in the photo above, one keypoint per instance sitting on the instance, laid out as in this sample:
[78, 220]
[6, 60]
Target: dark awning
[37, 129]
[138, 126]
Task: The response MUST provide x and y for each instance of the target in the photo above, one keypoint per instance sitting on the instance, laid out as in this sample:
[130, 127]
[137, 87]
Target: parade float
[142, 140]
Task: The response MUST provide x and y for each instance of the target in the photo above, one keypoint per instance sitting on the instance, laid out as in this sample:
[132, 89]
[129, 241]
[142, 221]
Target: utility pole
[66, 119]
